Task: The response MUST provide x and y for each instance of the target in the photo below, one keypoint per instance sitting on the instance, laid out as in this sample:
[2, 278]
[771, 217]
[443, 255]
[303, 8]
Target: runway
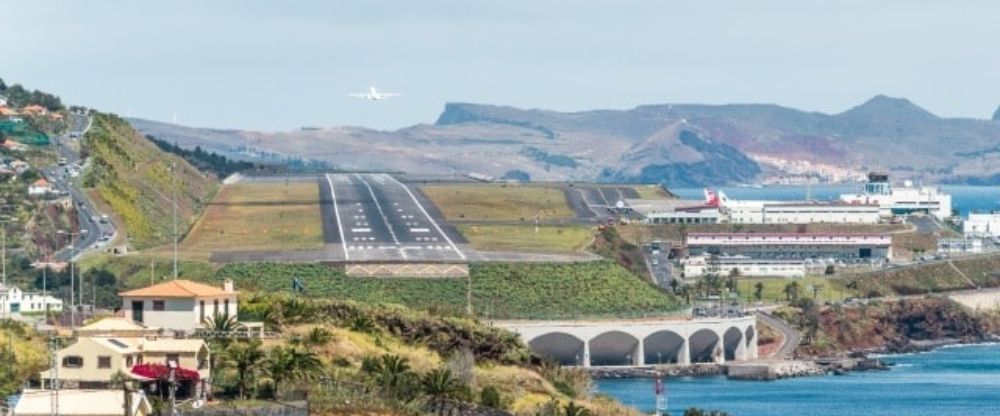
[375, 217]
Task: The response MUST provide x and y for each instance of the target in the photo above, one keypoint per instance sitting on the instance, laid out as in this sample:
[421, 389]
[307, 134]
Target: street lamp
[72, 277]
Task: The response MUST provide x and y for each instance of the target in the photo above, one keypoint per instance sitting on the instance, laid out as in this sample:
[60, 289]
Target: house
[14, 145]
[34, 110]
[19, 166]
[14, 300]
[39, 188]
[92, 361]
[180, 305]
[3, 101]
[83, 402]
[117, 327]
[7, 111]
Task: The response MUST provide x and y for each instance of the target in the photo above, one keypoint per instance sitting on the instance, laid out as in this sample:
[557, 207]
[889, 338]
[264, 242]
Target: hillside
[133, 176]
[677, 144]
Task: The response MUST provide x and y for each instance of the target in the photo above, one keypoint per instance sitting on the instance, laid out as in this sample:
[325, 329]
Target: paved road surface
[375, 217]
[792, 337]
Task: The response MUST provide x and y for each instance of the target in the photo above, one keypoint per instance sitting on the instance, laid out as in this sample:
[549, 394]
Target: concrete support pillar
[684, 355]
[639, 355]
[741, 348]
[752, 348]
[586, 353]
[719, 351]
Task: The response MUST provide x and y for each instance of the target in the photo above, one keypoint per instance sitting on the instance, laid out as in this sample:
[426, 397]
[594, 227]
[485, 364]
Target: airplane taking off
[374, 95]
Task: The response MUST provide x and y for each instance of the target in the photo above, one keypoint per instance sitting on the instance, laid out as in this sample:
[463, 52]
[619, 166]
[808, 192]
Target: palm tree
[758, 291]
[441, 386]
[222, 323]
[245, 358]
[673, 285]
[388, 370]
[792, 291]
[572, 409]
[291, 364]
[317, 336]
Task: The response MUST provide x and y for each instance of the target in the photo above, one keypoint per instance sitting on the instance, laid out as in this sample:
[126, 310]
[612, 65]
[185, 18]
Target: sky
[269, 65]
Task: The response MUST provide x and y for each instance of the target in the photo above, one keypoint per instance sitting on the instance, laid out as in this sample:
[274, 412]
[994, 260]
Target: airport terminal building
[838, 246]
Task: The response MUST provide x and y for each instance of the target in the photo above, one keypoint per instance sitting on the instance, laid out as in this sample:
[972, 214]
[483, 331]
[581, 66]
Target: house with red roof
[180, 305]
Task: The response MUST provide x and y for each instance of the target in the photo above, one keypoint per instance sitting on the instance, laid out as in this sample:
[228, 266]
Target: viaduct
[640, 342]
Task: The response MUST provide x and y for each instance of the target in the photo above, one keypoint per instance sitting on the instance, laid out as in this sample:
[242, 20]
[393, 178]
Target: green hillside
[524, 291]
[133, 177]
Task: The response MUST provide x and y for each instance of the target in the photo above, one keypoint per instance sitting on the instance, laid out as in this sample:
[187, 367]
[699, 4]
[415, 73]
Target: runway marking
[385, 219]
[336, 211]
[361, 230]
[434, 223]
[420, 230]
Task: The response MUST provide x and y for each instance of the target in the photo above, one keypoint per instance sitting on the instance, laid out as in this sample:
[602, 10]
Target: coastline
[767, 370]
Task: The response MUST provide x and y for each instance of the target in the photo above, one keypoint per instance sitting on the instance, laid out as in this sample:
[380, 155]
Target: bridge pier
[684, 355]
[586, 353]
[719, 352]
[741, 353]
[639, 355]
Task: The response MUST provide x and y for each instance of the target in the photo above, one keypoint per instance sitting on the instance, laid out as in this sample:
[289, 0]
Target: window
[103, 361]
[215, 309]
[138, 359]
[72, 361]
[159, 305]
[174, 357]
[201, 311]
[129, 361]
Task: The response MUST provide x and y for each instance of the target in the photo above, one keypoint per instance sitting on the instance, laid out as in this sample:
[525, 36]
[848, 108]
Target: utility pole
[72, 278]
[173, 186]
[3, 259]
[53, 374]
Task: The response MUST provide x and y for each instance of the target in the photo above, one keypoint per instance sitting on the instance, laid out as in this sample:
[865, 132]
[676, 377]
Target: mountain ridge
[728, 143]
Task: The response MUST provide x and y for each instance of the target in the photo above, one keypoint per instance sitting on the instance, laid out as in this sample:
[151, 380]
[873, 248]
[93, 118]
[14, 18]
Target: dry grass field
[555, 239]
[499, 202]
[257, 216]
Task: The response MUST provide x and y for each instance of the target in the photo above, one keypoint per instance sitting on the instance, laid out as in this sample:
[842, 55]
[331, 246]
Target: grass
[505, 291]
[651, 192]
[137, 270]
[257, 216]
[499, 202]
[830, 289]
[553, 238]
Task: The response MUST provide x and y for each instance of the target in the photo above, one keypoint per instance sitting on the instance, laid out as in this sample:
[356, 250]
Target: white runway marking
[434, 223]
[336, 212]
[361, 230]
[385, 219]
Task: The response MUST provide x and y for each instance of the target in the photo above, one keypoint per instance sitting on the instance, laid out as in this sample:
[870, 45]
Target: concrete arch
[559, 346]
[750, 335]
[732, 341]
[614, 348]
[664, 347]
[705, 346]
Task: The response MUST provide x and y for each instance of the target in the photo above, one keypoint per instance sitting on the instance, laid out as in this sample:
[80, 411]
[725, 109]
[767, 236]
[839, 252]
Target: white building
[16, 301]
[180, 305]
[799, 212]
[960, 246]
[743, 266]
[39, 188]
[72, 402]
[982, 225]
[840, 246]
[902, 200]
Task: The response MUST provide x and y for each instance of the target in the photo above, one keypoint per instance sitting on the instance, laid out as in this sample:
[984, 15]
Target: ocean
[959, 380]
[965, 198]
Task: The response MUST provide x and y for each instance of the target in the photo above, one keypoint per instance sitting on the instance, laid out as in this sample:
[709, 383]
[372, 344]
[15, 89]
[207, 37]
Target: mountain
[675, 144]
[996, 114]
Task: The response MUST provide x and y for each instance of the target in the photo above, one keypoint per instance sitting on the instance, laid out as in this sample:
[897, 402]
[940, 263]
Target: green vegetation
[257, 216]
[499, 202]
[958, 274]
[549, 238]
[18, 96]
[22, 355]
[22, 133]
[134, 178]
[540, 291]
[213, 162]
[610, 245]
[549, 159]
[773, 289]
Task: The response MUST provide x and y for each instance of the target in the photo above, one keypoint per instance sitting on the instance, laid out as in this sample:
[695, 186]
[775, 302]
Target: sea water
[961, 380]
[965, 198]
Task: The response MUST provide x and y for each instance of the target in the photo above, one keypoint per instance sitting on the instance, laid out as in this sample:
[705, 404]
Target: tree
[222, 323]
[490, 397]
[245, 358]
[290, 364]
[441, 386]
[758, 291]
[673, 285]
[792, 291]
[317, 336]
[571, 409]
[389, 371]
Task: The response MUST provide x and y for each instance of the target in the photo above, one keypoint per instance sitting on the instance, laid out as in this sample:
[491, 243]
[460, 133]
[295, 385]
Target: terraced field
[499, 202]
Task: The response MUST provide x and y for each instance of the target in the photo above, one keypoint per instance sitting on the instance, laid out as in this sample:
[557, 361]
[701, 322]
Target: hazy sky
[284, 64]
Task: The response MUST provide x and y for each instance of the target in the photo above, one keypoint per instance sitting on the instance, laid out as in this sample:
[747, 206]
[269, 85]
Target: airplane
[374, 95]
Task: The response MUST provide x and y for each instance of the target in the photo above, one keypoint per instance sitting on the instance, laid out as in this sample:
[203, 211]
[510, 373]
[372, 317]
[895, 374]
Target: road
[375, 217]
[89, 218]
[791, 336]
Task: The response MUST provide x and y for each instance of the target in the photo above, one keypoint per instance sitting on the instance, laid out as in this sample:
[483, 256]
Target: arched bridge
[640, 342]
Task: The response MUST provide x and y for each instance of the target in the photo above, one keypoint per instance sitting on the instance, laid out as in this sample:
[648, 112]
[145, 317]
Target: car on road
[62, 161]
